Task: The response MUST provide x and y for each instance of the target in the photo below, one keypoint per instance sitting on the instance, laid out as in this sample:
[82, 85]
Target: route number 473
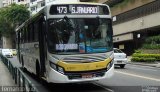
[62, 9]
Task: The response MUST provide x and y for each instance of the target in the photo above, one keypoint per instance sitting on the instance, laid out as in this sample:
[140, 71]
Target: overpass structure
[131, 27]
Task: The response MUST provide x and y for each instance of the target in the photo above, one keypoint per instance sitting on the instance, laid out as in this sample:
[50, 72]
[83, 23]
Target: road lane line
[110, 90]
[149, 78]
[150, 67]
[143, 68]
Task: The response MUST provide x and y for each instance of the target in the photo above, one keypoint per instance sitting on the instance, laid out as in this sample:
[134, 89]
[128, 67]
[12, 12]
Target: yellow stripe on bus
[84, 66]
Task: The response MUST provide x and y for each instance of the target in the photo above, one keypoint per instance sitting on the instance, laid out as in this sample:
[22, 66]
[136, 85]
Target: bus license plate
[87, 75]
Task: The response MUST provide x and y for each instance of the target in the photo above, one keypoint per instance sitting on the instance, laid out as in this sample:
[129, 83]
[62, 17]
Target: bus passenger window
[28, 32]
[36, 32]
[32, 33]
[24, 35]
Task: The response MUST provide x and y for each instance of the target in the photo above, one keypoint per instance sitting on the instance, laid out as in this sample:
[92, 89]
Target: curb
[144, 64]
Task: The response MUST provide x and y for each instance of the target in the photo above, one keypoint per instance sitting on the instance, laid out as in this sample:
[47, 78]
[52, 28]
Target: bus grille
[85, 58]
[79, 75]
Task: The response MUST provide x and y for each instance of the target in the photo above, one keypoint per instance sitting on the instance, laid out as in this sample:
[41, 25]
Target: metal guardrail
[24, 84]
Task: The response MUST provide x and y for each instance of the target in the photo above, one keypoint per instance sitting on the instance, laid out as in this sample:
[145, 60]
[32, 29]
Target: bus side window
[22, 37]
[28, 33]
[32, 32]
[36, 32]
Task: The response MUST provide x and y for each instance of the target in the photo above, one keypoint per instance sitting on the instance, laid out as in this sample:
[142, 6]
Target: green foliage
[137, 51]
[151, 46]
[5, 25]
[145, 56]
[152, 43]
[11, 17]
[138, 59]
[149, 51]
[18, 13]
[153, 40]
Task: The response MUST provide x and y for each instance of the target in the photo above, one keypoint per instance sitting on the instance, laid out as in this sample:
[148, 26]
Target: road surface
[133, 78]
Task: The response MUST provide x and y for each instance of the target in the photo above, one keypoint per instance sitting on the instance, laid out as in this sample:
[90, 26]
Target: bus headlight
[53, 66]
[60, 70]
[109, 65]
[57, 68]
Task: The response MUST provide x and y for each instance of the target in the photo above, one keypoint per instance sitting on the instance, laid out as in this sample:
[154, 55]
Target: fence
[24, 84]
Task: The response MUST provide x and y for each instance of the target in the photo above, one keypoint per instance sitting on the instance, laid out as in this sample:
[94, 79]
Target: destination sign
[78, 9]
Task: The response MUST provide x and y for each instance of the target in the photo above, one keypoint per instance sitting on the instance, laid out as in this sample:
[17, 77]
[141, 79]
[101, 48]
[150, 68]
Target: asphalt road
[133, 78]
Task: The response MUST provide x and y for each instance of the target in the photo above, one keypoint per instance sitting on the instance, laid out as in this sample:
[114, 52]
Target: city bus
[68, 43]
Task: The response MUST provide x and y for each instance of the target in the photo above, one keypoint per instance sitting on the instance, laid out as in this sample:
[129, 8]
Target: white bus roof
[56, 3]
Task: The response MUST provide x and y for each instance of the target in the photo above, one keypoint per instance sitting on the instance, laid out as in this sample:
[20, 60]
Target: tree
[11, 17]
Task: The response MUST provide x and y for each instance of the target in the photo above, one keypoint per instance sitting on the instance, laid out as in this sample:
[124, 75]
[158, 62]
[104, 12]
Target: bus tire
[22, 63]
[38, 70]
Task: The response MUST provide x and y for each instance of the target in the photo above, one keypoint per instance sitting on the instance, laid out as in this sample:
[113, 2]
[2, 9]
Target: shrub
[153, 40]
[151, 46]
[150, 51]
[152, 43]
[137, 59]
[149, 59]
[137, 51]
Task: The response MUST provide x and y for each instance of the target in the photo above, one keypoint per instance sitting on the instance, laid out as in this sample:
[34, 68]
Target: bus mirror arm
[36, 45]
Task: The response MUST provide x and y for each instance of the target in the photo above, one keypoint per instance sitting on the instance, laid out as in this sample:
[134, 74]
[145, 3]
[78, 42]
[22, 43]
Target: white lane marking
[148, 78]
[144, 68]
[110, 90]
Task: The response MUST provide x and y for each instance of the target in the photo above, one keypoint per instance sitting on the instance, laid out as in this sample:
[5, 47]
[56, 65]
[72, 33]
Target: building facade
[133, 22]
[33, 5]
[1, 4]
[36, 5]
[8, 2]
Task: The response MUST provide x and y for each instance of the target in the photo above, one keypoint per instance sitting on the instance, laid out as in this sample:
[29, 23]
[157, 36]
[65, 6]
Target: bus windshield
[87, 35]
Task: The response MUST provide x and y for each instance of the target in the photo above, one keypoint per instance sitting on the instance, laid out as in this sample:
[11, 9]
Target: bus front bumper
[56, 77]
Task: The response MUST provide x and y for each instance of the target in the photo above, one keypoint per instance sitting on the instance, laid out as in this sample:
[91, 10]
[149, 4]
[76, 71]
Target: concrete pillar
[7, 42]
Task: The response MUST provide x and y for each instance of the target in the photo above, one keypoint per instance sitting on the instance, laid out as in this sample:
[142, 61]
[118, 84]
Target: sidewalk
[5, 76]
[156, 64]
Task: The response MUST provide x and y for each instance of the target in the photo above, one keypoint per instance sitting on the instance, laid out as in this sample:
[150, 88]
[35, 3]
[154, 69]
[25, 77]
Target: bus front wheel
[22, 63]
[38, 70]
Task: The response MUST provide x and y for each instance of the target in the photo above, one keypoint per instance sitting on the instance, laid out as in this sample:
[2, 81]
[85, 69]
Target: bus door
[42, 46]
